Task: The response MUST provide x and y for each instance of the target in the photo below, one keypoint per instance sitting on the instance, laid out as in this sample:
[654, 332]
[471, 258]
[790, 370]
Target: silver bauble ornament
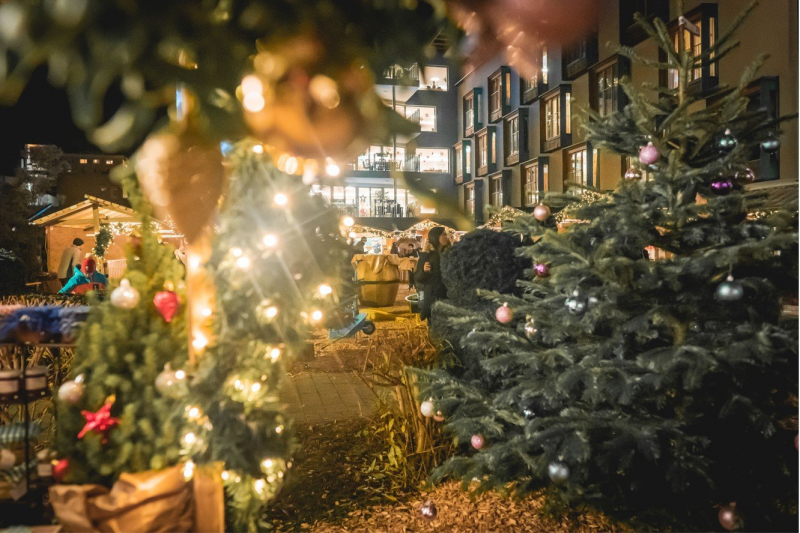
[727, 142]
[170, 382]
[125, 296]
[541, 212]
[71, 391]
[771, 144]
[558, 472]
[427, 409]
[730, 290]
[633, 174]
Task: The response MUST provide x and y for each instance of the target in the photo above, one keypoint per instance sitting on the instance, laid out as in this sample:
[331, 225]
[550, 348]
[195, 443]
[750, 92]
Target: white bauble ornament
[71, 391]
[171, 382]
[7, 459]
[125, 296]
[558, 472]
[427, 409]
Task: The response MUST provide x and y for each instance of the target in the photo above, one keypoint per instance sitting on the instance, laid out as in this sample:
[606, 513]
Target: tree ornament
[528, 413]
[722, 186]
[576, 304]
[183, 177]
[728, 517]
[428, 510]
[504, 314]
[730, 290]
[530, 327]
[167, 304]
[169, 382]
[477, 441]
[727, 142]
[746, 177]
[427, 409]
[60, 469]
[125, 296]
[649, 154]
[541, 212]
[542, 270]
[438, 417]
[7, 459]
[100, 422]
[771, 144]
[558, 472]
[633, 174]
[71, 391]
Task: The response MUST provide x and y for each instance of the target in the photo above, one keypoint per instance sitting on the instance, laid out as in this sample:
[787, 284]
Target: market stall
[379, 277]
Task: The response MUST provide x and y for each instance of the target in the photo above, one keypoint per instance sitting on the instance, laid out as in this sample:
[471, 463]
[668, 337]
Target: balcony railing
[402, 75]
[384, 163]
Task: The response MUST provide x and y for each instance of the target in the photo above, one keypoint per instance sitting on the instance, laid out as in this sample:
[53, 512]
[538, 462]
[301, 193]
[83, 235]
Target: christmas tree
[119, 363]
[636, 385]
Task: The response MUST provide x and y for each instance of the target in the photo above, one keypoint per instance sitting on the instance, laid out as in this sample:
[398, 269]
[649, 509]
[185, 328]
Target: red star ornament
[100, 422]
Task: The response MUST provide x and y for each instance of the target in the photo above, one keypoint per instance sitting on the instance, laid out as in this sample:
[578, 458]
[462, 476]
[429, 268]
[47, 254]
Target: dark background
[41, 116]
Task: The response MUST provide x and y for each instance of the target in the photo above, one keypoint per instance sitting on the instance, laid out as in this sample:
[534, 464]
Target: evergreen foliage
[656, 394]
[482, 259]
[120, 352]
[240, 419]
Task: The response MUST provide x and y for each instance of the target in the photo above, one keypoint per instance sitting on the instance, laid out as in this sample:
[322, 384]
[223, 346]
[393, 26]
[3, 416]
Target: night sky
[41, 116]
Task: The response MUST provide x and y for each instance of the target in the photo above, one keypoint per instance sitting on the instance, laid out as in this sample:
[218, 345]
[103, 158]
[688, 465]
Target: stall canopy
[94, 212]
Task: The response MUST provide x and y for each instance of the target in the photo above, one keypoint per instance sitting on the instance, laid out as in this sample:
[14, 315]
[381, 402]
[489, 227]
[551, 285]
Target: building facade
[519, 138]
[382, 187]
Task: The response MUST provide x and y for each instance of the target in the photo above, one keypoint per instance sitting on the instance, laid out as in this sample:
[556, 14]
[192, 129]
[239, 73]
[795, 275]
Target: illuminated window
[96, 161]
[532, 184]
[84, 161]
[576, 167]
[607, 87]
[469, 199]
[109, 161]
[434, 78]
[552, 118]
[544, 65]
[459, 161]
[496, 191]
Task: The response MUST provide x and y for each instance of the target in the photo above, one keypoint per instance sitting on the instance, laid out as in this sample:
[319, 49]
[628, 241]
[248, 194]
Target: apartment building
[377, 188]
[521, 137]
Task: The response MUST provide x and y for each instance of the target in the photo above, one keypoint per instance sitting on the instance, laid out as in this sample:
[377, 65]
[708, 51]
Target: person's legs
[63, 281]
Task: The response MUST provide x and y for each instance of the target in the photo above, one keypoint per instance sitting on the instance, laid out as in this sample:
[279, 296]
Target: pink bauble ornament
[477, 441]
[504, 314]
[649, 154]
[541, 212]
[438, 417]
[167, 304]
[728, 518]
[541, 269]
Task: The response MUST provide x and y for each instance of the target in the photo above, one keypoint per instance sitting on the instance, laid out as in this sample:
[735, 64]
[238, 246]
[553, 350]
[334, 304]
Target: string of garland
[102, 240]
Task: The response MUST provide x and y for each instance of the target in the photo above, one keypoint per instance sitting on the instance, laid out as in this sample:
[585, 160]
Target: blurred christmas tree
[638, 385]
[120, 359]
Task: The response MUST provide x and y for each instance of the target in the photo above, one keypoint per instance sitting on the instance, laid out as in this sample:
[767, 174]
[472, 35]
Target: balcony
[399, 75]
[385, 163]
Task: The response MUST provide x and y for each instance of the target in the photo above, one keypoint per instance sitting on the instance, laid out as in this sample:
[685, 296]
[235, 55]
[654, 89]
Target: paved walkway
[313, 398]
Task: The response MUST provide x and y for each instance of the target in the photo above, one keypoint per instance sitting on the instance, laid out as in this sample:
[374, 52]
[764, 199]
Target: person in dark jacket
[428, 275]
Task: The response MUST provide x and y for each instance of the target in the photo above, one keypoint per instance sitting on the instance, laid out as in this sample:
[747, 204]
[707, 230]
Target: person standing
[428, 275]
[70, 258]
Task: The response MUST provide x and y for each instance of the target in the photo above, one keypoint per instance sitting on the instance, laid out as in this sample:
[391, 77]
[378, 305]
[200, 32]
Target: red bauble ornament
[167, 304]
[504, 314]
[100, 422]
[60, 469]
[477, 441]
[728, 518]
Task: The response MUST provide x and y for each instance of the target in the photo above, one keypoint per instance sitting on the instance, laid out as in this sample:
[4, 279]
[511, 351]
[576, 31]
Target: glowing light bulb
[238, 384]
[194, 262]
[206, 312]
[237, 252]
[316, 315]
[267, 463]
[279, 429]
[331, 168]
[255, 387]
[251, 84]
[226, 475]
[260, 485]
[270, 478]
[352, 235]
[190, 438]
[193, 413]
[254, 102]
[180, 374]
[270, 240]
[281, 199]
[258, 149]
[292, 165]
[271, 312]
[348, 222]
[324, 290]
[275, 353]
[200, 341]
[243, 262]
[188, 470]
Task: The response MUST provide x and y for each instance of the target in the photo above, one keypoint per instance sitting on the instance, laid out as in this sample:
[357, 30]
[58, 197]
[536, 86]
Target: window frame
[707, 76]
[463, 171]
[502, 78]
[553, 140]
[621, 65]
[589, 164]
[511, 157]
[577, 57]
[489, 133]
[630, 33]
[497, 184]
[474, 96]
[542, 166]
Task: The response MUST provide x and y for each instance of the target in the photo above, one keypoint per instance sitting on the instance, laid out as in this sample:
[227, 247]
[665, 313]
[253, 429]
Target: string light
[255, 387]
[200, 341]
[252, 90]
[194, 262]
[206, 312]
[274, 354]
[348, 222]
[281, 199]
[192, 412]
[237, 252]
[292, 165]
[180, 374]
[271, 311]
[188, 470]
[279, 430]
[189, 439]
[225, 475]
[316, 315]
[258, 149]
[259, 485]
[243, 262]
[325, 290]
[331, 168]
[270, 240]
[267, 464]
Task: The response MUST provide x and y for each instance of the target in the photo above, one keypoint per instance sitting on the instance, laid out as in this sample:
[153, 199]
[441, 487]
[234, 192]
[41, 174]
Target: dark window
[496, 191]
[483, 157]
[530, 89]
[495, 92]
[469, 112]
[607, 84]
[472, 111]
[629, 32]
[579, 56]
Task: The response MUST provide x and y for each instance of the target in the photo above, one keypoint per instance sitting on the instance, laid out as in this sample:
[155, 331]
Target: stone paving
[312, 398]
